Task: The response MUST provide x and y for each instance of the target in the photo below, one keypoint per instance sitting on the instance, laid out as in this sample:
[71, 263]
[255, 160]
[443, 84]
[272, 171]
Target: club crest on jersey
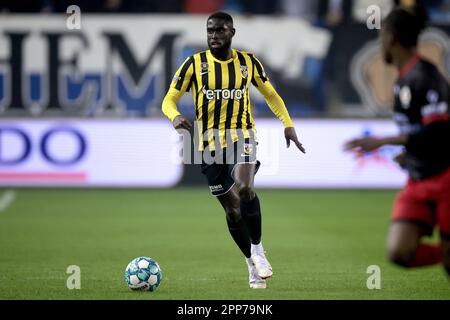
[244, 71]
[405, 96]
[248, 148]
[204, 67]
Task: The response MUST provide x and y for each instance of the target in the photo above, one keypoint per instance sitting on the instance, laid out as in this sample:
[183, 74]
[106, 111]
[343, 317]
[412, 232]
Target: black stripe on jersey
[231, 84]
[182, 74]
[218, 85]
[194, 81]
[249, 124]
[253, 79]
[243, 85]
[204, 104]
[259, 68]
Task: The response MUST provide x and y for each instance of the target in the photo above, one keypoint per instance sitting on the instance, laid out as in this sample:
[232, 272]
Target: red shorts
[426, 202]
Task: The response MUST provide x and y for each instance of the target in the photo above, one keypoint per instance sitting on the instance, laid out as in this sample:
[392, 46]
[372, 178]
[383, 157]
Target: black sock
[251, 212]
[239, 232]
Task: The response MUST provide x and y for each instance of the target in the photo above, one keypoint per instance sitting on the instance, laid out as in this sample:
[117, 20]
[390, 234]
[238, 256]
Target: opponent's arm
[372, 143]
[432, 135]
[275, 102]
[180, 84]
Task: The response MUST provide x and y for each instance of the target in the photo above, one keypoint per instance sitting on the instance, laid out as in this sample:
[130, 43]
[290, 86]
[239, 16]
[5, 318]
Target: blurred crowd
[321, 12]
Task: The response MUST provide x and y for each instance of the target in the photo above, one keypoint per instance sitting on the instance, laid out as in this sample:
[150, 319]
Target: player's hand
[364, 144]
[181, 122]
[289, 134]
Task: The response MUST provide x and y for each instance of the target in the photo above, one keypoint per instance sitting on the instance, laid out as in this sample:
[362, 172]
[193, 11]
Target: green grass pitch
[320, 244]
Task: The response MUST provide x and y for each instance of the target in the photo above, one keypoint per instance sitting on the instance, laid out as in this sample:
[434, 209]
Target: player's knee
[246, 193]
[233, 214]
[401, 256]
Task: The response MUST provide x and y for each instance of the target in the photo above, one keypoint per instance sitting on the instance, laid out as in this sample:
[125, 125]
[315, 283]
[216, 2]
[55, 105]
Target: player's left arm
[275, 102]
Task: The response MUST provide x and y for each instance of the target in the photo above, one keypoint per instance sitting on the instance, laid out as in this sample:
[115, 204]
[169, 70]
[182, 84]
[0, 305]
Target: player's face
[386, 45]
[219, 34]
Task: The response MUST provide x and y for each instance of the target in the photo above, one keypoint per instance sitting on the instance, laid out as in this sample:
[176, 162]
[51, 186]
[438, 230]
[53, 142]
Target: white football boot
[254, 281]
[263, 267]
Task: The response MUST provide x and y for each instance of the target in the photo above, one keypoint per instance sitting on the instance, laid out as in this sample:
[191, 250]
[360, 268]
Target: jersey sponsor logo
[405, 96]
[223, 94]
[176, 78]
[216, 188]
[435, 108]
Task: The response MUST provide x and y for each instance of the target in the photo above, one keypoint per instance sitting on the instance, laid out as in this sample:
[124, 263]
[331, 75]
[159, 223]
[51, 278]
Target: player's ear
[390, 39]
[233, 31]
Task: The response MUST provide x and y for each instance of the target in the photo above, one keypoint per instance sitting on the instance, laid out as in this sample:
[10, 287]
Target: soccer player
[422, 97]
[219, 80]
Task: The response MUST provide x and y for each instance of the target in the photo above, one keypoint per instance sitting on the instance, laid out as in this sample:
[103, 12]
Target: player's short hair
[220, 15]
[406, 24]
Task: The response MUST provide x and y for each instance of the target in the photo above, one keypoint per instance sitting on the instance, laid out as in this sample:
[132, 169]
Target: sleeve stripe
[231, 85]
[183, 71]
[243, 85]
[218, 104]
[258, 67]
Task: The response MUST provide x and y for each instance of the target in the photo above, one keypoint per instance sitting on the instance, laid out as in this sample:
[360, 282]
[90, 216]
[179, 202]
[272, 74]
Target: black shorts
[218, 166]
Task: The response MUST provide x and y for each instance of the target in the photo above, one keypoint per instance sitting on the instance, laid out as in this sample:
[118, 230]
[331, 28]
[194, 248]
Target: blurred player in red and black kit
[421, 110]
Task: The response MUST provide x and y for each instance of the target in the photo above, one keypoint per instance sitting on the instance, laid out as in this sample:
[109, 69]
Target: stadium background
[81, 109]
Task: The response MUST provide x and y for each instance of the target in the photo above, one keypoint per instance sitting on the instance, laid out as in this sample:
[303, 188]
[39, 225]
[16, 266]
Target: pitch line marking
[6, 199]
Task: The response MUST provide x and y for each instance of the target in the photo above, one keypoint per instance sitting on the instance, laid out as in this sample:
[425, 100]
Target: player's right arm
[180, 84]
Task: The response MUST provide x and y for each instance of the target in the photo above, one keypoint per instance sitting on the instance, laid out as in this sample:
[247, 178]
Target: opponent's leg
[243, 175]
[405, 249]
[443, 218]
[413, 217]
[445, 249]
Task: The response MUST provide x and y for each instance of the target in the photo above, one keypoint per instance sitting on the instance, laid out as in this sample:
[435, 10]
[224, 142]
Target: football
[143, 274]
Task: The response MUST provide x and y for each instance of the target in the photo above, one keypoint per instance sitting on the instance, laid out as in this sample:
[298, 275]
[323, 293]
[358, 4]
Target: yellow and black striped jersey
[221, 96]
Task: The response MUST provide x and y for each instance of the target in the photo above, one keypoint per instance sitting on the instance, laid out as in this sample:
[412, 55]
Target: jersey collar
[233, 56]
[409, 65]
